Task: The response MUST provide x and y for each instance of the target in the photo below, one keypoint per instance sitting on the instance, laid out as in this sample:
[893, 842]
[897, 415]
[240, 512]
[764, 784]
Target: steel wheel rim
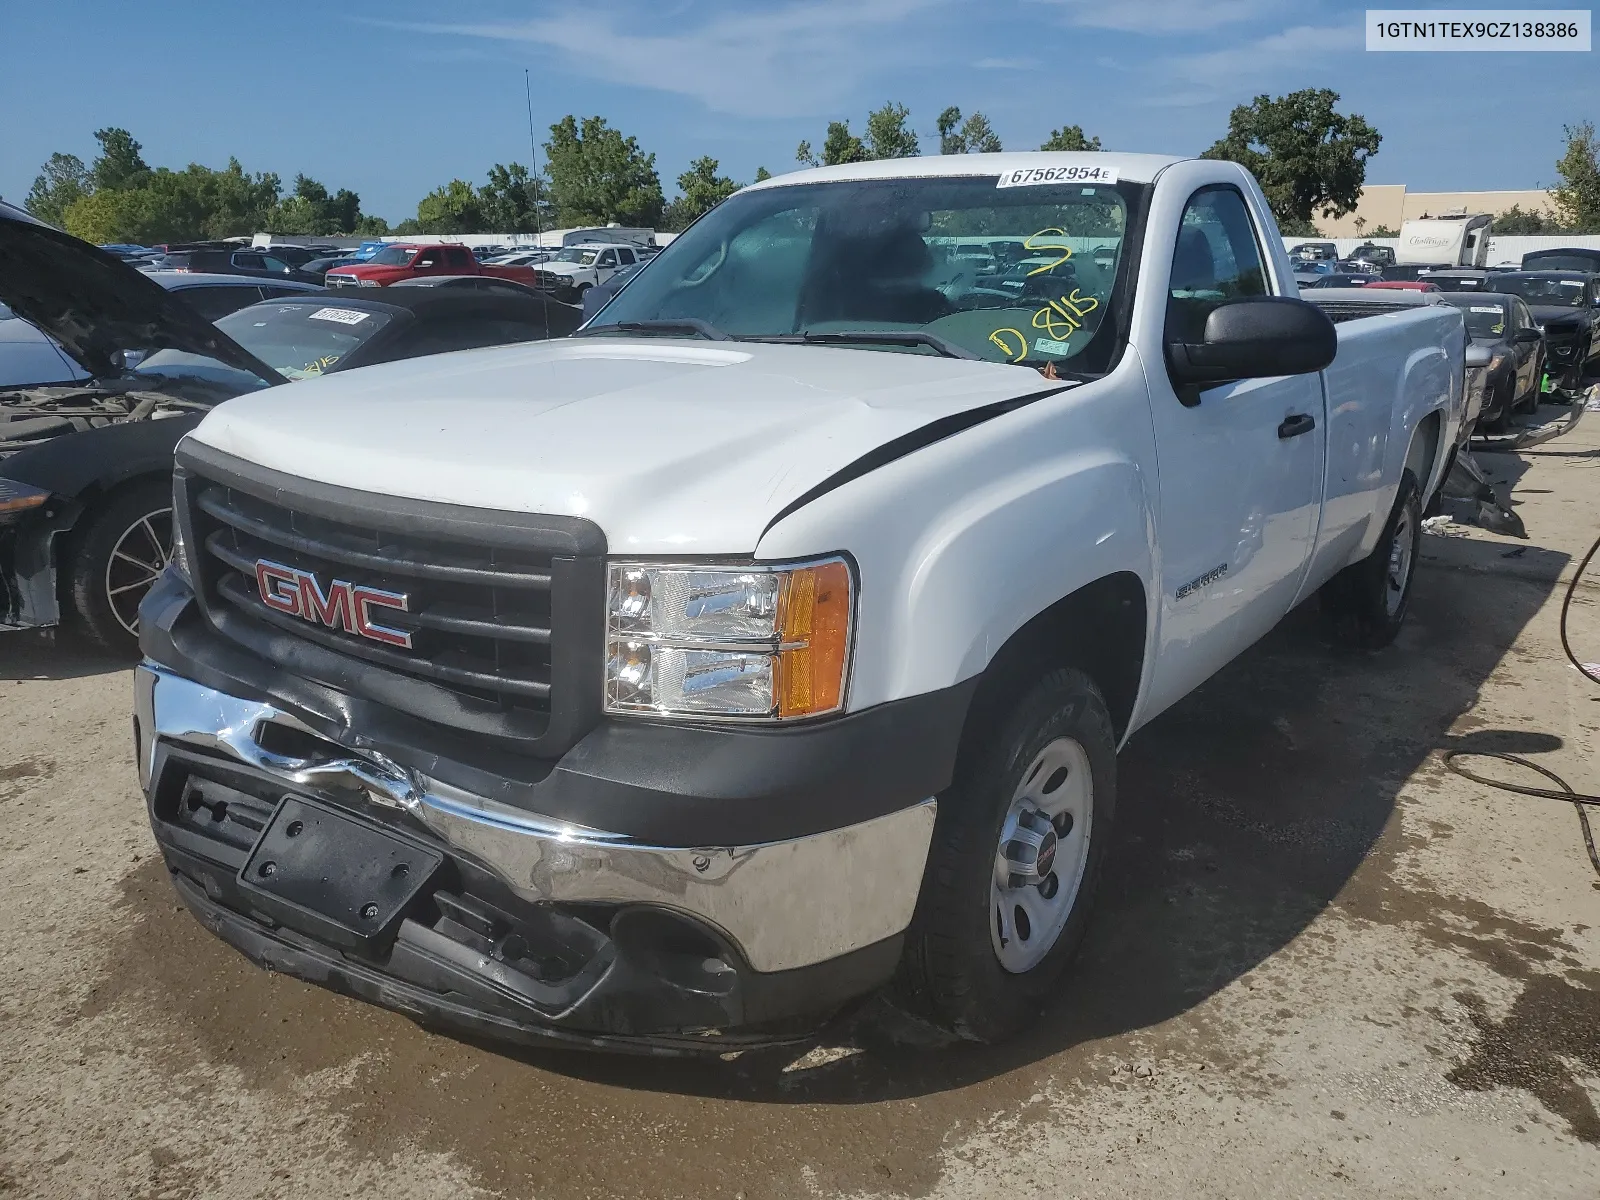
[137, 559]
[1399, 564]
[1030, 901]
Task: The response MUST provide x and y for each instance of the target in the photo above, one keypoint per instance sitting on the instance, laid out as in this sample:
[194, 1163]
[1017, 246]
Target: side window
[608, 258]
[625, 257]
[1217, 258]
[455, 256]
[1524, 317]
[248, 262]
[274, 264]
[429, 258]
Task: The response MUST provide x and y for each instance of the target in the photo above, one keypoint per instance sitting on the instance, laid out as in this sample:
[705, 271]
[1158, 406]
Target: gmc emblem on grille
[344, 605]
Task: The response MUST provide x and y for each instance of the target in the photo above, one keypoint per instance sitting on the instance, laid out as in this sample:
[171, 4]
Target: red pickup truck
[404, 260]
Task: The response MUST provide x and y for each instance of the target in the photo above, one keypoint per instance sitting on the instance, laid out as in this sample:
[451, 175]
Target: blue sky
[392, 99]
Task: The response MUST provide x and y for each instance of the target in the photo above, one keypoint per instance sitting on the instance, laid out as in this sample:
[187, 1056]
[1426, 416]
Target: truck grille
[503, 627]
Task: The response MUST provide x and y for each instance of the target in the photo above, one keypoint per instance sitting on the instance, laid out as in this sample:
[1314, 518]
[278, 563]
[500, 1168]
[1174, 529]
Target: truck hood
[1558, 315]
[672, 447]
[563, 268]
[93, 304]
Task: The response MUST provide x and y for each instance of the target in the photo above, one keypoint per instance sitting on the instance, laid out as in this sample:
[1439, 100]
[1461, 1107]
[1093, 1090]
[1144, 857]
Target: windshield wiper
[885, 337]
[692, 325]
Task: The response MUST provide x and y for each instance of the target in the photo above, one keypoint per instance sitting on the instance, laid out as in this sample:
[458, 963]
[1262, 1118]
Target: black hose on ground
[1580, 801]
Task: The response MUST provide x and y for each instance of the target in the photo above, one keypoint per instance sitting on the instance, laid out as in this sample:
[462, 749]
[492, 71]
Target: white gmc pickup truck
[670, 686]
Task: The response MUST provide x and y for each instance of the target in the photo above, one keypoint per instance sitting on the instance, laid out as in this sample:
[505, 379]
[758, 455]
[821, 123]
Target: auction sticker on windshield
[1034, 176]
[345, 316]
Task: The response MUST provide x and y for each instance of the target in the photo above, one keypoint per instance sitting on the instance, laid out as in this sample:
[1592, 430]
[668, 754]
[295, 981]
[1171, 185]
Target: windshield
[1556, 293]
[1020, 274]
[1485, 322]
[391, 256]
[577, 254]
[299, 341]
[1560, 262]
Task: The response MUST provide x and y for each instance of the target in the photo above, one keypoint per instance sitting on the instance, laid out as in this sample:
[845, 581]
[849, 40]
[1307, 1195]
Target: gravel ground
[1323, 966]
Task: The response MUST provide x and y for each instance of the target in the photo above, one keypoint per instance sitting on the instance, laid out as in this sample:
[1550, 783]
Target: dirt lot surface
[1323, 966]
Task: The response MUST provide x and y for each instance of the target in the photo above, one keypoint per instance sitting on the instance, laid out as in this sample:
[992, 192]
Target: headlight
[1494, 363]
[18, 499]
[367, 282]
[716, 642]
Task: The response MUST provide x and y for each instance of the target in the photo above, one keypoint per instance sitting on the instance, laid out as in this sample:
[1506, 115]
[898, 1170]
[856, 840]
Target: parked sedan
[1507, 347]
[85, 467]
[255, 263]
[1567, 305]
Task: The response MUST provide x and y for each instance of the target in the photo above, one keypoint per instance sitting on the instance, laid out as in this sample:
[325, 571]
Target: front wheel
[121, 552]
[1015, 862]
[1365, 604]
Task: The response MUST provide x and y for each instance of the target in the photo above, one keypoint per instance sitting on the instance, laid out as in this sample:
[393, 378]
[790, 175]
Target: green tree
[177, 206]
[840, 146]
[762, 173]
[888, 135]
[702, 190]
[1308, 157]
[1577, 197]
[515, 201]
[453, 208]
[62, 180]
[1514, 220]
[973, 136]
[120, 164]
[1070, 137]
[310, 210]
[1383, 231]
[598, 176]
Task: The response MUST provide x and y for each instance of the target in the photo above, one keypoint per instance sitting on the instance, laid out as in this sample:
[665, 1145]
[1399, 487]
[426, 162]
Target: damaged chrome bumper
[781, 906]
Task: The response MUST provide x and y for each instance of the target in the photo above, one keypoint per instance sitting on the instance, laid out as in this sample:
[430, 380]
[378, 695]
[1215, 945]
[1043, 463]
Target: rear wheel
[1365, 604]
[1015, 862]
[120, 553]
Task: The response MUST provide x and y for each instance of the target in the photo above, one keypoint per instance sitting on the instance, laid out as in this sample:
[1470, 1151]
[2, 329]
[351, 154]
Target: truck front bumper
[530, 928]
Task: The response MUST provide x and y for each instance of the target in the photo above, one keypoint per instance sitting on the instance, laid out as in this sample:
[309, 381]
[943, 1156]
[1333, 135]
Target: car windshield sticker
[344, 316]
[1046, 346]
[1011, 342]
[1491, 309]
[1040, 244]
[1035, 176]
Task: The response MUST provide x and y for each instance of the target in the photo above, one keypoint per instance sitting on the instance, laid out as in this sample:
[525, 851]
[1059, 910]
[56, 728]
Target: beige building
[1388, 204]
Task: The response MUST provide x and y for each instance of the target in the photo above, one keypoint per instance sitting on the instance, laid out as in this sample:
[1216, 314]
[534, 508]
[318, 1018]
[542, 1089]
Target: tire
[1365, 604]
[959, 970]
[124, 545]
[1530, 404]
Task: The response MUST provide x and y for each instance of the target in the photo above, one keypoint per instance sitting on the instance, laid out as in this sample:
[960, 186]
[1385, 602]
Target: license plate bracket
[335, 876]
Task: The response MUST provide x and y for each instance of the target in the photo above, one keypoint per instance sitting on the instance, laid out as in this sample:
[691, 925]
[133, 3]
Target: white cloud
[1162, 16]
[1298, 52]
[799, 60]
[1006, 64]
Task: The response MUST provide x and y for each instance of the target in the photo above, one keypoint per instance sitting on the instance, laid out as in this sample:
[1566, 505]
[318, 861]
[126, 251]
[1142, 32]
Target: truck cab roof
[1136, 168]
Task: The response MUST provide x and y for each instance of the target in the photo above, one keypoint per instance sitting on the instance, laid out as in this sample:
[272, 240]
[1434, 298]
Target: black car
[1458, 279]
[1566, 305]
[85, 468]
[1507, 346]
[1370, 258]
[317, 268]
[1564, 258]
[1315, 252]
[261, 263]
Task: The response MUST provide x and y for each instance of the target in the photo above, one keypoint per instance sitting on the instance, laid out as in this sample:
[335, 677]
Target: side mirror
[129, 359]
[1255, 338]
[1528, 333]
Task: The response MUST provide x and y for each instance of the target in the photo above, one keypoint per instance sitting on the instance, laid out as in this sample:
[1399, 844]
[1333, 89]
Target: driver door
[1240, 464]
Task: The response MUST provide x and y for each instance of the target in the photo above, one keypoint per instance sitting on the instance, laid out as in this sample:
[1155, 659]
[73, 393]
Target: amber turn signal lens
[814, 638]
